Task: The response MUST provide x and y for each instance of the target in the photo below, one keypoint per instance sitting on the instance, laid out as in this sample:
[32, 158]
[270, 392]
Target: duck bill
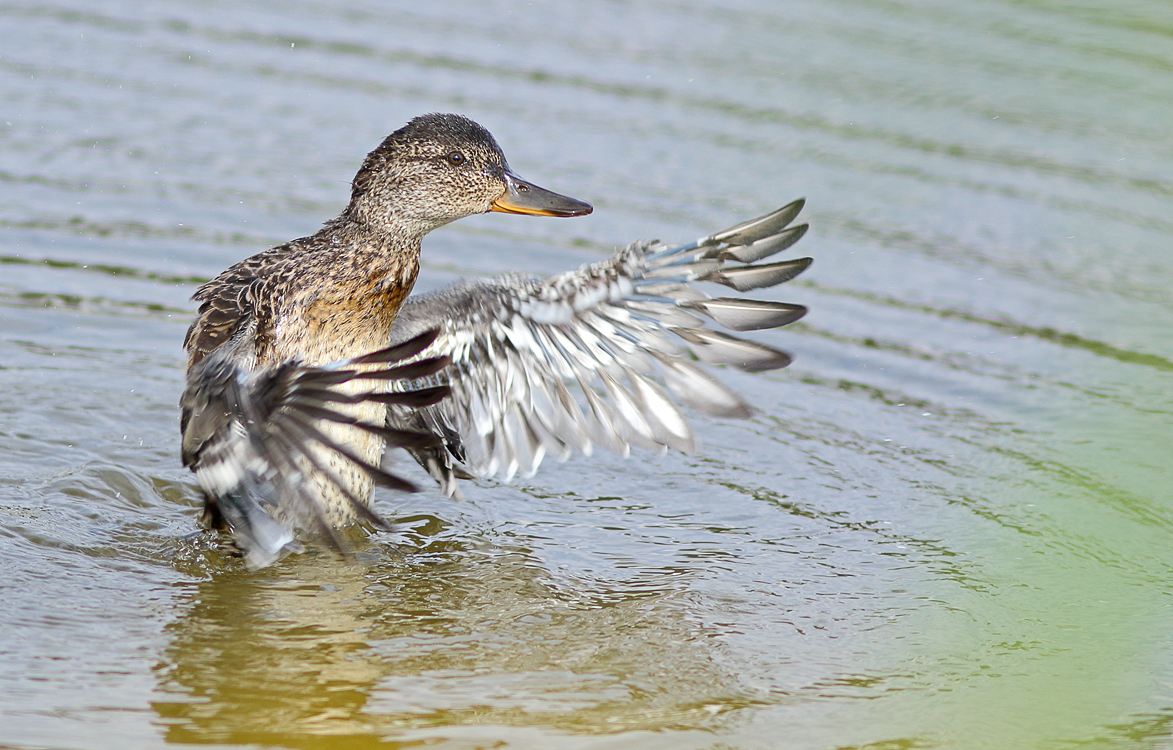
[523, 197]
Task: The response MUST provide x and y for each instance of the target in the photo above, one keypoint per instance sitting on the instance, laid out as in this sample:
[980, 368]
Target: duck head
[439, 168]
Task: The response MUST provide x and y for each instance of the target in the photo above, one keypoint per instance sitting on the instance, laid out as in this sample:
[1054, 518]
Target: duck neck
[385, 259]
[362, 279]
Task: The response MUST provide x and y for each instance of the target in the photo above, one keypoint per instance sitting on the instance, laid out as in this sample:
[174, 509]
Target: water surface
[948, 524]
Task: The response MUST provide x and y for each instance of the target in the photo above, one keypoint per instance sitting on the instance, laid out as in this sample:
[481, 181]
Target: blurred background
[948, 524]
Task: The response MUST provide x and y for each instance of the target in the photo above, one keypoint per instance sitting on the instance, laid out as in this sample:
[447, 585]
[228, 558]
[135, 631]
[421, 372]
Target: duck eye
[456, 158]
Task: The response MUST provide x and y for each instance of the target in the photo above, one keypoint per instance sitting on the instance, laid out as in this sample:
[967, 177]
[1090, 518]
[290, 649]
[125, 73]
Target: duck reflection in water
[308, 360]
[461, 632]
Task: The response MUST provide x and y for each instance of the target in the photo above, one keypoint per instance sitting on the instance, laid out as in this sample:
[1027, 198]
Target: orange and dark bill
[523, 197]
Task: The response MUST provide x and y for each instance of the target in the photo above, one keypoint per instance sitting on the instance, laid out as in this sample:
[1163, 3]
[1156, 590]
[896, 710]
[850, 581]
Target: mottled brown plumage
[335, 294]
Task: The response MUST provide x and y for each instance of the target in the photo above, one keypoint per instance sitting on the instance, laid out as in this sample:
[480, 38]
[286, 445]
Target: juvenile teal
[293, 394]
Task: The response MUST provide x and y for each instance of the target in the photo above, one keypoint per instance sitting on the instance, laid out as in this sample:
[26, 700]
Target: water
[947, 526]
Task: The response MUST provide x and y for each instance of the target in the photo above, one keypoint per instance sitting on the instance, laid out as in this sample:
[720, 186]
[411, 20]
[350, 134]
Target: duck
[309, 360]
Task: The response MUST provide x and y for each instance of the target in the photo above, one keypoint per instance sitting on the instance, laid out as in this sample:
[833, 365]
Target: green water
[948, 524]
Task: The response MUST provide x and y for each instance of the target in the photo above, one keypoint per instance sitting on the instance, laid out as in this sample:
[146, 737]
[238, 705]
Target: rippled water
[948, 525]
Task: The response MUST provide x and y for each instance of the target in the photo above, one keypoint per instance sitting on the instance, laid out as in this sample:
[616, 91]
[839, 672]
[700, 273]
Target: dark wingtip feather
[409, 348]
[371, 517]
[310, 432]
[764, 247]
[763, 226]
[747, 314]
[411, 439]
[420, 369]
[747, 278]
[416, 398]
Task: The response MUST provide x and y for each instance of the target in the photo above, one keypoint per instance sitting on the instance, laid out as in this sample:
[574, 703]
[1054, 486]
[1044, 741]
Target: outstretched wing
[570, 362]
[250, 436]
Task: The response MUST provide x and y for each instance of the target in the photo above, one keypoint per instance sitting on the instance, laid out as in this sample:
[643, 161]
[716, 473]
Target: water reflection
[445, 631]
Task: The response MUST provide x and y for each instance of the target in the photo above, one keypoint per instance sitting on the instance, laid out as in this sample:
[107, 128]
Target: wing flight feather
[551, 366]
[251, 437]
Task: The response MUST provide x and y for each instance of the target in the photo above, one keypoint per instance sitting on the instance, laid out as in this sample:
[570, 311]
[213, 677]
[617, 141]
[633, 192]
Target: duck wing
[550, 366]
[250, 436]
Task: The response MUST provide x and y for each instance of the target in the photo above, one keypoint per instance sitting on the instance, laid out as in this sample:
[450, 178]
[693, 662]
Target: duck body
[334, 296]
[315, 300]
